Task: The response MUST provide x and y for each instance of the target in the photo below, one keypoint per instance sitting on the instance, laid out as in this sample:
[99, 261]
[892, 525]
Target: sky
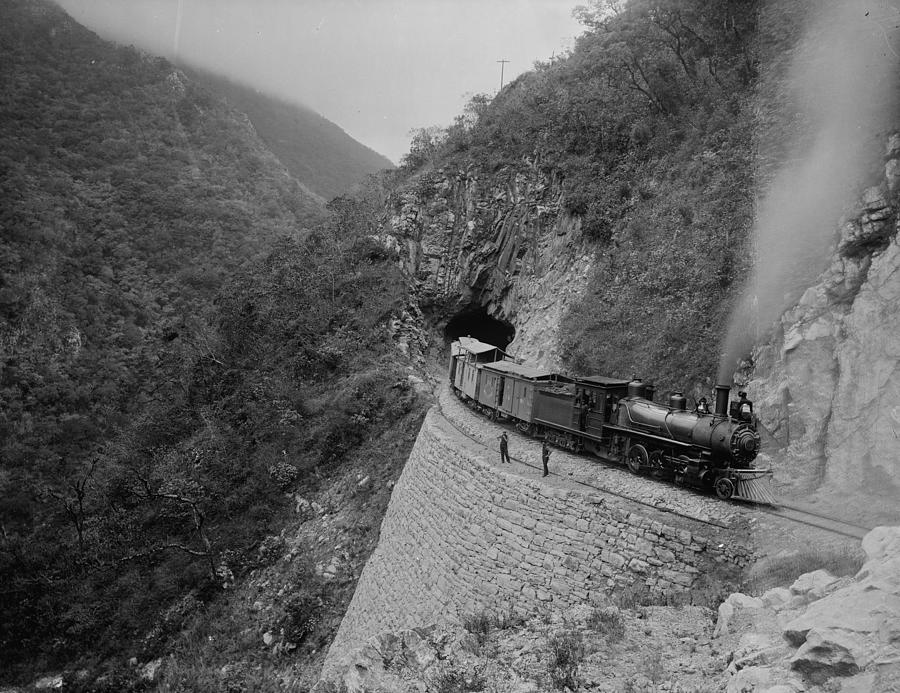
[377, 68]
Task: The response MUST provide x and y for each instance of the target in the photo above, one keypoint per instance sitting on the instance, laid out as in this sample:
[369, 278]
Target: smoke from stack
[841, 84]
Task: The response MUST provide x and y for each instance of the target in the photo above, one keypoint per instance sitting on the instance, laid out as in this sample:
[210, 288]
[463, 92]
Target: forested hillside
[648, 127]
[316, 151]
[175, 347]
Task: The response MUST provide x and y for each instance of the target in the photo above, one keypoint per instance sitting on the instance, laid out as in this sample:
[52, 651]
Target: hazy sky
[377, 68]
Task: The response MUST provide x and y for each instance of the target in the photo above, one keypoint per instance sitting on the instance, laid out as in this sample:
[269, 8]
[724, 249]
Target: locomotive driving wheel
[637, 458]
[724, 488]
[657, 463]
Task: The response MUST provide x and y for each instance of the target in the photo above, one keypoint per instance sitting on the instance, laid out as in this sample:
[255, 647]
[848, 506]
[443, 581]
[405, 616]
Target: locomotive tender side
[617, 419]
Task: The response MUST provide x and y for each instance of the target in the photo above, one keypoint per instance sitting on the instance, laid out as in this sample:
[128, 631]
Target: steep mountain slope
[182, 343]
[130, 196]
[316, 151]
[601, 203]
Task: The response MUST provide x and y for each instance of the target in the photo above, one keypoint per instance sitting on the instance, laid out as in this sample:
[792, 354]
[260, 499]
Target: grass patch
[567, 651]
[782, 570]
[455, 679]
[480, 624]
[607, 620]
[653, 667]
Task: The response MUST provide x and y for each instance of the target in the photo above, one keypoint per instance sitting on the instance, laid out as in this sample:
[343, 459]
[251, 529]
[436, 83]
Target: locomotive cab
[741, 410]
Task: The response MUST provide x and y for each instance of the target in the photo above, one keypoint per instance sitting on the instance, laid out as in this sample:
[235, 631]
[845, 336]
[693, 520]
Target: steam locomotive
[619, 421]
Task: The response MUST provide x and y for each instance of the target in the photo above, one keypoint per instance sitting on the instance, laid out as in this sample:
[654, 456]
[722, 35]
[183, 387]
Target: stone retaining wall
[462, 535]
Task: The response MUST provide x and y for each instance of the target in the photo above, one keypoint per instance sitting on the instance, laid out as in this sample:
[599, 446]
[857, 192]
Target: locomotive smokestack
[722, 392]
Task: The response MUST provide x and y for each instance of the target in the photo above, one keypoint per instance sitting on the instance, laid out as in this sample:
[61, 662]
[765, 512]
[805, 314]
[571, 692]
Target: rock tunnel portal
[475, 322]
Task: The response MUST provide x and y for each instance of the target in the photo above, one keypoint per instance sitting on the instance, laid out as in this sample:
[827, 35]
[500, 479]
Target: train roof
[519, 369]
[602, 381]
[472, 345]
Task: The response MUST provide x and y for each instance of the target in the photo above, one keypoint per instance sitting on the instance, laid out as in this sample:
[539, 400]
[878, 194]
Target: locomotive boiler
[702, 448]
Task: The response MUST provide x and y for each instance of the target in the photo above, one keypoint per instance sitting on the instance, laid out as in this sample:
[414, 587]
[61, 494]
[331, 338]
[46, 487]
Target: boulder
[736, 601]
[53, 682]
[813, 585]
[740, 600]
[892, 148]
[857, 625]
[375, 666]
[882, 543]
[830, 653]
[151, 669]
[751, 679]
[726, 611]
[862, 683]
[776, 597]
[892, 174]
[763, 680]
[874, 199]
[756, 649]
[871, 231]
[870, 607]
[417, 651]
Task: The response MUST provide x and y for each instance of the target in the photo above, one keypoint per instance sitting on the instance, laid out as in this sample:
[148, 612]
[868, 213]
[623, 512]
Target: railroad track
[812, 519]
[783, 511]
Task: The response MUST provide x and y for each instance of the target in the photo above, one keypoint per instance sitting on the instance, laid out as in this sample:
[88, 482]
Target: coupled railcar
[618, 420]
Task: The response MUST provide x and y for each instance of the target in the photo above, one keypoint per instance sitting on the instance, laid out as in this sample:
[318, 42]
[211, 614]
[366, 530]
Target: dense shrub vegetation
[178, 348]
[648, 125]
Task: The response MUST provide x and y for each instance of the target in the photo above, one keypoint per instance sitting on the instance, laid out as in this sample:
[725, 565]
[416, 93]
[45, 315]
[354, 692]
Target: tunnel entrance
[475, 322]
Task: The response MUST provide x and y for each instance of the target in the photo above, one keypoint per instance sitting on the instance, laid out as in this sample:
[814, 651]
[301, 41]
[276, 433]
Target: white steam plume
[842, 80]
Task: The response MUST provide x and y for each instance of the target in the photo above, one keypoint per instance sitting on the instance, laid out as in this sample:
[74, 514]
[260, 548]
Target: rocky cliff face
[828, 383]
[498, 241]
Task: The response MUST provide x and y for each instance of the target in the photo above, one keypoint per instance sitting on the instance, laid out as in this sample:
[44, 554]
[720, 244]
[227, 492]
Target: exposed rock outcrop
[501, 241]
[829, 380]
[846, 629]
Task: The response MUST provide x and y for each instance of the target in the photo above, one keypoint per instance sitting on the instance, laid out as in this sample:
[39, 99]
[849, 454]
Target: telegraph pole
[502, 65]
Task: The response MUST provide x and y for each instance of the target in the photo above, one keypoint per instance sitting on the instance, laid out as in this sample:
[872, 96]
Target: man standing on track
[504, 448]
[545, 456]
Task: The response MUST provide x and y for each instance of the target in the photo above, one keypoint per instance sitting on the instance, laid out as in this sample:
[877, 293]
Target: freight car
[618, 420]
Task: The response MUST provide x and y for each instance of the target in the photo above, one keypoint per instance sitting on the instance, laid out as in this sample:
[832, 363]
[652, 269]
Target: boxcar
[508, 388]
[467, 356]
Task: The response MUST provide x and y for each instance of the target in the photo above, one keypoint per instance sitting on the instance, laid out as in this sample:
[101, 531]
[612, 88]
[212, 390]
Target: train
[618, 420]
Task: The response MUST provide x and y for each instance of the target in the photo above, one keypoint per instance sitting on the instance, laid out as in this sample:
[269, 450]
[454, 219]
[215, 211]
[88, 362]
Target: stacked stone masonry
[461, 535]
